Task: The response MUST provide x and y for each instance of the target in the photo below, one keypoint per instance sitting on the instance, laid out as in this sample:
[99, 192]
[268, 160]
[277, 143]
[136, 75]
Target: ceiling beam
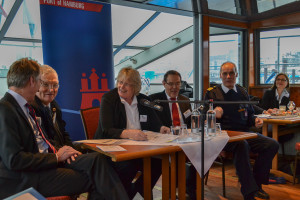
[10, 18]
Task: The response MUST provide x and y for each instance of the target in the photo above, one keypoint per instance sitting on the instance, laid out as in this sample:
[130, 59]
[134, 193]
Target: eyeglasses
[49, 86]
[228, 73]
[178, 84]
[281, 79]
[124, 84]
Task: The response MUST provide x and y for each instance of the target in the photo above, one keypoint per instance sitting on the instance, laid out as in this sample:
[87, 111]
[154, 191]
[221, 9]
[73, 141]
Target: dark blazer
[56, 133]
[113, 116]
[20, 159]
[269, 100]
[165, 115]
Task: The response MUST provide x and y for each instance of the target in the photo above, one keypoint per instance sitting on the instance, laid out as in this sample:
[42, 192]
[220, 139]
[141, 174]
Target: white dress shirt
[132, 114]
[284, 93]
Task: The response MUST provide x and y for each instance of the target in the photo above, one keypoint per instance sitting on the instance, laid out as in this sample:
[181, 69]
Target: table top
[140, 151]
[282, 121]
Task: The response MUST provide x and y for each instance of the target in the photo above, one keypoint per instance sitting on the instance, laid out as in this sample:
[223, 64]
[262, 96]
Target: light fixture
[134, 61]
[176, 39]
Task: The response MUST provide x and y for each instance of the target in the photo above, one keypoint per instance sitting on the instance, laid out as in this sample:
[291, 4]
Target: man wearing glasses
[241, 118]
[174, 114]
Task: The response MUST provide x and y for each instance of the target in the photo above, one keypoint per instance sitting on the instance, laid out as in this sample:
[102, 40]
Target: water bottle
[211, 120]
[195, 121]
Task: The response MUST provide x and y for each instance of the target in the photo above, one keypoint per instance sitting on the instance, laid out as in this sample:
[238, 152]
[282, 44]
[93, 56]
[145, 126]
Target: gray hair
[132, 75]
[46, 69]
[21, 71]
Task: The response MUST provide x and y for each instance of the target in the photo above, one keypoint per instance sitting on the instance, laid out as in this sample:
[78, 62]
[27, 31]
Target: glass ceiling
[265, 5]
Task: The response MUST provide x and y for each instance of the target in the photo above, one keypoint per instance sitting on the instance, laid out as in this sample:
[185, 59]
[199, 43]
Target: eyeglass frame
[177, 84]
[125, 84]
[44, 84]
[281, 79]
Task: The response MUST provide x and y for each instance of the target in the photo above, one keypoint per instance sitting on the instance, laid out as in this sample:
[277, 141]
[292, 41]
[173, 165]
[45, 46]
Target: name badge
[187, 113]
[143, 118]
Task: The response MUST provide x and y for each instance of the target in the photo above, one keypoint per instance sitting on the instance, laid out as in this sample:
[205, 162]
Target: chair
[90, 120]
[296, 158]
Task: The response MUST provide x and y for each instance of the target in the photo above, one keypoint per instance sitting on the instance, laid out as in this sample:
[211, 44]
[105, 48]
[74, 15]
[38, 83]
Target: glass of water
[175, 130]
[184, 130]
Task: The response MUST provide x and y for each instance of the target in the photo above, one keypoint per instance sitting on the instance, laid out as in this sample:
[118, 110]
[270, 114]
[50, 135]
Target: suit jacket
[113, 116]
[165, 115]
[55, 132]
[20, 159]
[269, 100]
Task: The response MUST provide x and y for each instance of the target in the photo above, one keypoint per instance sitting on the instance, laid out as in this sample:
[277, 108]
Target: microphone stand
[205, 103]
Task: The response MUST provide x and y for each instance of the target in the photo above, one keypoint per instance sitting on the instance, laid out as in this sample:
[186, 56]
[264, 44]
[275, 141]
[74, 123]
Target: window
[222, 48]
[17, 43]
[279, 52]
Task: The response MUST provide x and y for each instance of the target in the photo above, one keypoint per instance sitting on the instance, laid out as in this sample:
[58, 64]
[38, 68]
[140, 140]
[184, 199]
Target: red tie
[175, 114]
[32, 114]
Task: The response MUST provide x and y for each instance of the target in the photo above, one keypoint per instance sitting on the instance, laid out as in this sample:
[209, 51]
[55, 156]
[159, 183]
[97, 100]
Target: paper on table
[159, 138]
[111, 148]
[100, 141]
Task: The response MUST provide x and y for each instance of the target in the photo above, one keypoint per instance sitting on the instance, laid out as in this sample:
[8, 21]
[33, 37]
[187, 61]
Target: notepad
[109, 148]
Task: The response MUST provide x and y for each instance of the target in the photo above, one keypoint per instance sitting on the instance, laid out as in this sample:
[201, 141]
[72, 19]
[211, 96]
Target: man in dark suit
[240, 118]
[28, 159]
[172, 82]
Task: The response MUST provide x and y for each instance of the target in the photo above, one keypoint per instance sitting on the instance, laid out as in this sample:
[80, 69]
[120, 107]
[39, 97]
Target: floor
[213, 189]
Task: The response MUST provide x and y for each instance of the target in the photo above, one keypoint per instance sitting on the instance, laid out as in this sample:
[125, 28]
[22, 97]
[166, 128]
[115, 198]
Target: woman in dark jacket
[278, 94]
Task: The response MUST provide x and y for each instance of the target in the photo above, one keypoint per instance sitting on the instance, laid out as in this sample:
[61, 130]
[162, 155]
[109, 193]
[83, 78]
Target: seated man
[240, 118]
[173, 114]
[28, 159]
[51, 116]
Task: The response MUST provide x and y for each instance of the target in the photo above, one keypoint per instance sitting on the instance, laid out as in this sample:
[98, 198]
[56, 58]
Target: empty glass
[175, 130]
[282, 109]
[184, 130]
[218, 129]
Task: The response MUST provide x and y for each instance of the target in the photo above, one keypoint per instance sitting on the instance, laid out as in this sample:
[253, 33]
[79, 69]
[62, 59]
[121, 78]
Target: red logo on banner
[89, 94]
[73, 5]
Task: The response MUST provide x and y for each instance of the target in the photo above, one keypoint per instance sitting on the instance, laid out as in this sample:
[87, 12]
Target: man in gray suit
[27, 158]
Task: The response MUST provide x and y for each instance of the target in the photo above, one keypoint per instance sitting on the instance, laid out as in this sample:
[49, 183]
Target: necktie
[32, 114]
[175, 114]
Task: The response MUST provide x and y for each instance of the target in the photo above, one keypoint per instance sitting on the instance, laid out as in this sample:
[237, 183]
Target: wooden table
[147, 151]
[275, 123]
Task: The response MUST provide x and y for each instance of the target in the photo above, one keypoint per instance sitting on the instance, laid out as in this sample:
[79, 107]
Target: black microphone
[150, 104]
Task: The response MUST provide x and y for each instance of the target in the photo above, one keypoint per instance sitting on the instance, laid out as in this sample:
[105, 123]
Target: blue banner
[77, 43]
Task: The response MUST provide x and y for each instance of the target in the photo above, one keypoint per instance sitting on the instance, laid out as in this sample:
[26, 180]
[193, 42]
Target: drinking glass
[218, 129]
[184, 130]
[175, 130]
[291, 106]
[281, 109]
[298, 111]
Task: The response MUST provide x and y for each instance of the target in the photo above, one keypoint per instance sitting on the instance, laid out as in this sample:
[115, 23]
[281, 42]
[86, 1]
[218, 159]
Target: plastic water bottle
[211, 120]
[195, 121]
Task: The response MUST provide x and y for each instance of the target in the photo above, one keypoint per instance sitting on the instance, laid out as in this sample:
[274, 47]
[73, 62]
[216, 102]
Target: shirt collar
[226, 89]
[284, 93]
[134, 101]
[20, 100]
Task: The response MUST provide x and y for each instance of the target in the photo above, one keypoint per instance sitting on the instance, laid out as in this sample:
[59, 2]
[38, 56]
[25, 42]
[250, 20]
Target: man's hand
[258, 122]
[67, 153]
[164, 130]
[219, 112]
[133, 134]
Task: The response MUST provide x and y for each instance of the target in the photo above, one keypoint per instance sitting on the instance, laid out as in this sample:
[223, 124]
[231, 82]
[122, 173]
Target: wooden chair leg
[223, 178]
[295, 167]
[206, 178]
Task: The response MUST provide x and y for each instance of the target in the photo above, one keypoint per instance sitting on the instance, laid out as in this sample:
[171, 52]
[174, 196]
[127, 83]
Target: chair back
[90, 120]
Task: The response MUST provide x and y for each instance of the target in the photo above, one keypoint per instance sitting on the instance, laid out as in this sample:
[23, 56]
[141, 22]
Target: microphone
[150, 104]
